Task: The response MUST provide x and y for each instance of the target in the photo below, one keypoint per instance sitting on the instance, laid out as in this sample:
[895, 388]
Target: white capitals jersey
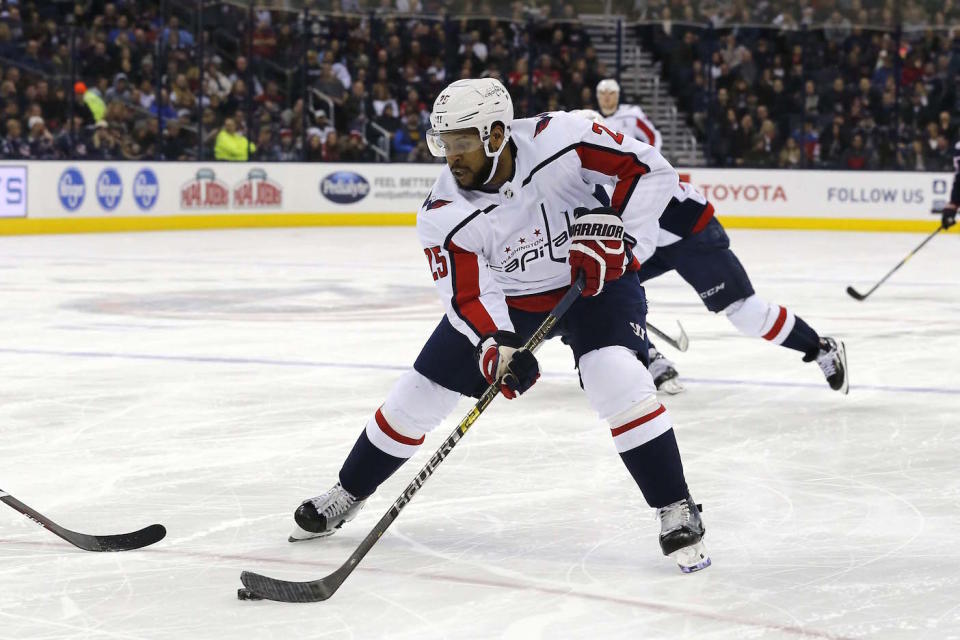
[488, 250]
[631, 120]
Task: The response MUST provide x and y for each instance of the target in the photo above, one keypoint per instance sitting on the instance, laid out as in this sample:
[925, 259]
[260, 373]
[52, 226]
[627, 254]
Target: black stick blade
[284, 591]
[130, 541]
[854, 294]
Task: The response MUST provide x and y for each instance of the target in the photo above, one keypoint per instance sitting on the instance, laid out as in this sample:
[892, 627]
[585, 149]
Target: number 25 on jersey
[437, 262]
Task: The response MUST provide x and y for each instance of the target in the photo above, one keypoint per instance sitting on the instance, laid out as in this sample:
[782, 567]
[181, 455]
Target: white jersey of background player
[626, 118]
[505, 231]
[694, 244]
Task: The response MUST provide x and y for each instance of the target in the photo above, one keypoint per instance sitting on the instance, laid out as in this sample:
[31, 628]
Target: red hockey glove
[597, 248]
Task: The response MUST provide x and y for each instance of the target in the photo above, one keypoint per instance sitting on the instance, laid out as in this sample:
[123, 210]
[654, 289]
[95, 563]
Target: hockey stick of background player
[863, 296]
[259, 587]
[121, 542]
[680, 344]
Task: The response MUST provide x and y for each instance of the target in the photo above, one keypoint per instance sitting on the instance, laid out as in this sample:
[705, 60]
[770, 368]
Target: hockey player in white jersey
[505, 231]
[625, 118]
[694, 243]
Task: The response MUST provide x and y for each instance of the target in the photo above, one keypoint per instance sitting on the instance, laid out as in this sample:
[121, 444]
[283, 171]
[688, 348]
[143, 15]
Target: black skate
[321, 516]
[832, 358]
[681, 535]
[664, 375]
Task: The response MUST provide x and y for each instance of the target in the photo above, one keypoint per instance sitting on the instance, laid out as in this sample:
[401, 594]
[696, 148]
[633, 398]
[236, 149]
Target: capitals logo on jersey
[542, 124]
[430, 205]
[534, 246]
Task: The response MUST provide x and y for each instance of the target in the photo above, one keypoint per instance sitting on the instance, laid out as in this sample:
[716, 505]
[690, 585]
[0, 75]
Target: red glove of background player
[597, 247]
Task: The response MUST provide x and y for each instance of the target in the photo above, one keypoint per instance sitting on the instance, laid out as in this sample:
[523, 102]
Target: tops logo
[344, 187]
[71, 189]
[204, 192]
[257, 191]
[146, 189]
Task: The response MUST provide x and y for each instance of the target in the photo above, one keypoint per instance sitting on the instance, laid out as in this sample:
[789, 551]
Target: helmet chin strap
[496, 158]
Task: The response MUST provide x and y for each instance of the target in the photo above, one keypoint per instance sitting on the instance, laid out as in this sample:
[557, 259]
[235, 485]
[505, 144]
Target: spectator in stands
[231, 144]
[267, 148]
[242, 72]
[407, 137]
[13, 146]
[91, 102]
[314, 145]
[355, 149]
[215, 82]
[287, 151]
[104, 144]
[856, 157]
[120, 90]
[175, 144]
[39, 139]
[791, 156]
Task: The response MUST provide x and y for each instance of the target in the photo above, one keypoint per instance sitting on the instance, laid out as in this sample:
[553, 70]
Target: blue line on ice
[316, 364]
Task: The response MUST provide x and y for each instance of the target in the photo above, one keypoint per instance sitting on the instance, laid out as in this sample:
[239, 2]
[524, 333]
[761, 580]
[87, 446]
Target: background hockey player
[949, 213]
[694, 243]
[625, 118]
[503, 236]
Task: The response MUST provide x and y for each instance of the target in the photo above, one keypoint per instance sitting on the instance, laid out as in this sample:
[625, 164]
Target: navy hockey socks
[367, 467]
[657, 470]
[802, 338]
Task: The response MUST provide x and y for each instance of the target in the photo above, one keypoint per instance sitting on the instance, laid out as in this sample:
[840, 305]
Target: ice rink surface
[210, 381]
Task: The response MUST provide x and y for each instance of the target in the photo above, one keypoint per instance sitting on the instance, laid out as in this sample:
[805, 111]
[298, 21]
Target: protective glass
[453, 143]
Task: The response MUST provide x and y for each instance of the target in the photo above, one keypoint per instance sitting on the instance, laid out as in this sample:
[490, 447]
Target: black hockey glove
[501, 358]
[949, 215]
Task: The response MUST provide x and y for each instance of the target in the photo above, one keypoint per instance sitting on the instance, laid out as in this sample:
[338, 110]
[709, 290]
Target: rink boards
[74, 197]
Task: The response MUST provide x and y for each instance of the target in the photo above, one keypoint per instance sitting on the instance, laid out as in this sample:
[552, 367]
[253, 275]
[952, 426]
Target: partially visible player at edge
[695, 244]
[505, 232]
[949, 213]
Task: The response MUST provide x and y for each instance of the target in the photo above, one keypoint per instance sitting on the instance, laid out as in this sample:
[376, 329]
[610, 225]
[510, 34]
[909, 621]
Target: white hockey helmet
[608, 85]
[608, 96]
[476, 103]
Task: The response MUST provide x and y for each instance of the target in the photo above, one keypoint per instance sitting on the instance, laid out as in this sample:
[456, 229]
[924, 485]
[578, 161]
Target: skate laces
[674, 516]
[333, 503]
[827, 361]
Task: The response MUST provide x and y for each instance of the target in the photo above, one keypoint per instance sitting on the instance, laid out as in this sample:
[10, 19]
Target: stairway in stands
[640, 84]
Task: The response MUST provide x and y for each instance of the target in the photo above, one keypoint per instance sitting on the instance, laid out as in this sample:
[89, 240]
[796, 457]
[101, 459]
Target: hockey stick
[863, 296]
[121, 542]
[261, 587]
[680, 344]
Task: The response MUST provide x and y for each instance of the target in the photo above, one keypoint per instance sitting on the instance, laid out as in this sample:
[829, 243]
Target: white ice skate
[681, 535]
[321, 516]
[832, 359]
[664, 374]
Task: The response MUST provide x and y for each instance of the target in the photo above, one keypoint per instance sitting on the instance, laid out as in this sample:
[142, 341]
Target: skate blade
[842, 352]
[692, 559]
[301, 535]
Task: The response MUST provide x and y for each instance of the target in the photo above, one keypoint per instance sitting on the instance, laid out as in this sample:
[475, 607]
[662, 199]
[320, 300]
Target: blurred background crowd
[847, 84]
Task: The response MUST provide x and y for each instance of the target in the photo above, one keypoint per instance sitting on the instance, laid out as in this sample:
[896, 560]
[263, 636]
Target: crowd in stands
[353, 80]
[840, 84]
[129, 82]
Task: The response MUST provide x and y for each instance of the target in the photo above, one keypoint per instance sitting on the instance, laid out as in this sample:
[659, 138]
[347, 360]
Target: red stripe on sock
[387, 429]
[770, 335]
[636, 423]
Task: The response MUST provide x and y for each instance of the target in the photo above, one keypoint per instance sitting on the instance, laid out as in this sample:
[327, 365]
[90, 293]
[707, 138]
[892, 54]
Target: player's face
[466, 158]
[608, 101]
